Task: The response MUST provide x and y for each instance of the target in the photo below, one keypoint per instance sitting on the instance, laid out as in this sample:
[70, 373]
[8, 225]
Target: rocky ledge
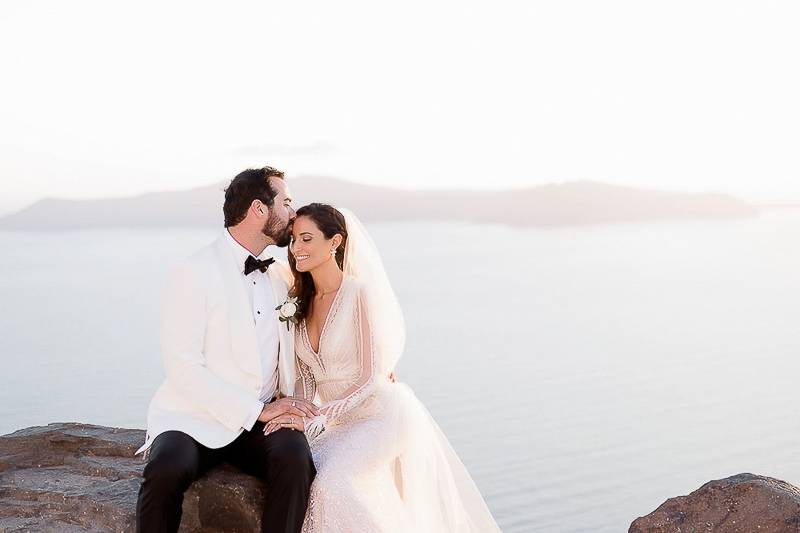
[78, 477]
[745, 503]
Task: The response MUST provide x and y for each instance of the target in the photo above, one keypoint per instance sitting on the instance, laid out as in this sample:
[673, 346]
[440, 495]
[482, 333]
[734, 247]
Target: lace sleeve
[305, 383]
[361, 388]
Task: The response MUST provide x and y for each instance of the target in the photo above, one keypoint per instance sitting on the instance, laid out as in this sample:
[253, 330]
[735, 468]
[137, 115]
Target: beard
[278, 230]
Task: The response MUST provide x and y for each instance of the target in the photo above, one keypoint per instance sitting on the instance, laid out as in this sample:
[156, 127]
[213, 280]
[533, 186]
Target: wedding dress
[383, 464]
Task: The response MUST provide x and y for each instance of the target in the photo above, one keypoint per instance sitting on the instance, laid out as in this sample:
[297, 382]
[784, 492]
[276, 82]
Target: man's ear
[259, 207]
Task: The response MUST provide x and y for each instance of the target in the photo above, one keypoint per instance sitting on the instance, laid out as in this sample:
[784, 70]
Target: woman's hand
[313, 427]
[296, 423]
[288, 407]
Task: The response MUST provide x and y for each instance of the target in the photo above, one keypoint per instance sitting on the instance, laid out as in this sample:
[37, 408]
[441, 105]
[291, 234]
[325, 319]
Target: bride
[383, 464]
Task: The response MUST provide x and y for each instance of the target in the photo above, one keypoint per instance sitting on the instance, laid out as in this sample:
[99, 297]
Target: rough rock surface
[744, 503]
[78, 477]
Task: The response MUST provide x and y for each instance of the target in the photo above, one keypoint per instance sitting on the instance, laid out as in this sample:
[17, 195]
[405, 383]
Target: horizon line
[766, 204]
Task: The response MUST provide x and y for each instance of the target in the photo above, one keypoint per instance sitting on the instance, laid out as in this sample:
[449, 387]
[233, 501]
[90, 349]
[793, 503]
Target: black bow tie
[251, 264]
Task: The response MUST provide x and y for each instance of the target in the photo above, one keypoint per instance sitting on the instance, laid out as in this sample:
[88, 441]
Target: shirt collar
[240, 251]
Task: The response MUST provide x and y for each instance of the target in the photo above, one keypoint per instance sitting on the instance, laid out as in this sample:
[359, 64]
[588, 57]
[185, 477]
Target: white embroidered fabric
[346, 376]
[383, 464]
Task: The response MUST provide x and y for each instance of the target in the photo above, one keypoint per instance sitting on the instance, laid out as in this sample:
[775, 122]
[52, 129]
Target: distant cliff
[567, 204]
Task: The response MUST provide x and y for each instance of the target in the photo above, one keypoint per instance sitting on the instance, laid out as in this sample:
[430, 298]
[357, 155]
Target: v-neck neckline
[324, 324]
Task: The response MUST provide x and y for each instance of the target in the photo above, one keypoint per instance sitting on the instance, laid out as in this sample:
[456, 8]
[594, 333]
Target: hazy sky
[109, 98]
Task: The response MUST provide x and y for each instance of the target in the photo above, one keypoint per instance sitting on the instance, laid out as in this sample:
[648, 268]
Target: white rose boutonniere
[287, 311]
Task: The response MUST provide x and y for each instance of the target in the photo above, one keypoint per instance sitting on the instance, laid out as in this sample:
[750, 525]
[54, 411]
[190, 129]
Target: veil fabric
[383, 464]
[363, 262]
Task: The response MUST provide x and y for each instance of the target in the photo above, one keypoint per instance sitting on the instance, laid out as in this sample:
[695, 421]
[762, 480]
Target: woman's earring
[333, 252]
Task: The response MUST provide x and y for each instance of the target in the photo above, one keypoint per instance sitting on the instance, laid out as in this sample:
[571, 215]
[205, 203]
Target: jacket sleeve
[184, 320]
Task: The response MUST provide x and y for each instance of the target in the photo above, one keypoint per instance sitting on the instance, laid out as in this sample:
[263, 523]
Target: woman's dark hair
[330, 222]
[251, 184]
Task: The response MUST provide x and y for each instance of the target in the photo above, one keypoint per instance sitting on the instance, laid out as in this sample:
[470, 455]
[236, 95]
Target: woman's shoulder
[353, 284]
[356, 292]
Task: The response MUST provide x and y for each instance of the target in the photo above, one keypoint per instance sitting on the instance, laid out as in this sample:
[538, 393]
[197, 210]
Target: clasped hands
[289, 412]
[293, 413]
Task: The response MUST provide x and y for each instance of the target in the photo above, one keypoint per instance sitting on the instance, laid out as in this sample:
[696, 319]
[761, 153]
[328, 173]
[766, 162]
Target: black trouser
[282, 460]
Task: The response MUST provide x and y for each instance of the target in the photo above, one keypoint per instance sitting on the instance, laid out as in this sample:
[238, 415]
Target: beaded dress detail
[383, 464]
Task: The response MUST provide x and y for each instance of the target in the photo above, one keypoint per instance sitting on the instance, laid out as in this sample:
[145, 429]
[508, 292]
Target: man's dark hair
[251, 184]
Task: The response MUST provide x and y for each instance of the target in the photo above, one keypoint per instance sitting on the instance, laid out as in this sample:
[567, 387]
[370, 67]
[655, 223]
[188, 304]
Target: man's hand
[296, 423]
[286, 408]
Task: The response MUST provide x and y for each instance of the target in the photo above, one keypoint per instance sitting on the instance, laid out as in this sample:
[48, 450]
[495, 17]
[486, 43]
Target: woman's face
[309, 246]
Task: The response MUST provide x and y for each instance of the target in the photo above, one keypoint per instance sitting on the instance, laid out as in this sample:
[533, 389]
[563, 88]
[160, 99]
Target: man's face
[278, 226]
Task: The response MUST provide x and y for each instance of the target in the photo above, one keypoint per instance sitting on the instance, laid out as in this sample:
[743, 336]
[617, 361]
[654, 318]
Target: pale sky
[109, 98]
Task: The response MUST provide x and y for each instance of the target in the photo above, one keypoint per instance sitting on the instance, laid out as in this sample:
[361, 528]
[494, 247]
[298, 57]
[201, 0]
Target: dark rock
[79, 477]
[745, 503]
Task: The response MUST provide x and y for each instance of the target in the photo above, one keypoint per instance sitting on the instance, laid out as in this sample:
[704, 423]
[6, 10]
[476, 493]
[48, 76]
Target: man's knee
[294, 455]
[173, 463]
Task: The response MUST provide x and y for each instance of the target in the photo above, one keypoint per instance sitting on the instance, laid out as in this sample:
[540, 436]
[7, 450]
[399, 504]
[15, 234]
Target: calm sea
[584, 375]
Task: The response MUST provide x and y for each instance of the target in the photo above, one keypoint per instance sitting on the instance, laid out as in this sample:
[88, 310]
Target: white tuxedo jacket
[211, 358]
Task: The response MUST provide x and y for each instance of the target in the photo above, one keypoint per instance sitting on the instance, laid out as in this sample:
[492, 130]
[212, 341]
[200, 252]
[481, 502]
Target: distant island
[573, 203]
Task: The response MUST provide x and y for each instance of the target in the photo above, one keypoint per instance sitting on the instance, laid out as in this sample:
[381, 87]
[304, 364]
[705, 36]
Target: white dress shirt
[262, 301]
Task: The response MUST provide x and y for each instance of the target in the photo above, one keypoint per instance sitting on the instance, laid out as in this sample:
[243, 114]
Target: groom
[227, 359]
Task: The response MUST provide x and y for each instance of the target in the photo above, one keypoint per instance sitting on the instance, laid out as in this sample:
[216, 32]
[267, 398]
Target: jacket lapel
[244, 344]
[286, 373]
